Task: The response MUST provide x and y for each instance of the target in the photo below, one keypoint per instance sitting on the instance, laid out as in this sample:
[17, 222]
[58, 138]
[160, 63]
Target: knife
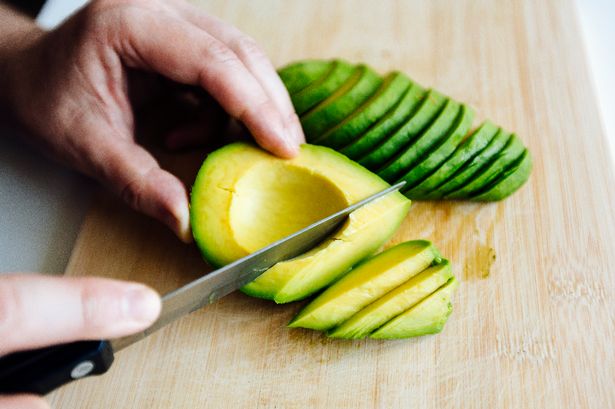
[42, 370]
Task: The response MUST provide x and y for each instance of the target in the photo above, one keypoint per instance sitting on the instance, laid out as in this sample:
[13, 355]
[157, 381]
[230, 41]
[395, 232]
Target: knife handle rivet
[82, 369]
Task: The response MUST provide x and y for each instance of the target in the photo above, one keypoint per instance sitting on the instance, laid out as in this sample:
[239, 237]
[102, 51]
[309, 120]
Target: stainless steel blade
[235, 275]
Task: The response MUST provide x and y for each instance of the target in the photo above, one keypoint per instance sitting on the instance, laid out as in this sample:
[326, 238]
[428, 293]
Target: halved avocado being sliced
[509, 182]
[343, 102]
[390, 92]
[423, 143]
[391, 121]
[299, 75]
[394, 303]
[473, 167]
[245, 198]
[502, 161]
[475, 143]
[318, 91]
[424, 115]
[365, 284]
[441, 153]
[427, 317]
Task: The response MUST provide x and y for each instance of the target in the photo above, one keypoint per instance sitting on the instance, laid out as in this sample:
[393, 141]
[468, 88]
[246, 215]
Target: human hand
[37, 311]
[70, 87]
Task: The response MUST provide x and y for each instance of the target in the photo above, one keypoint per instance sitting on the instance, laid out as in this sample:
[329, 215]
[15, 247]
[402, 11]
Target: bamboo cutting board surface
[533, 323]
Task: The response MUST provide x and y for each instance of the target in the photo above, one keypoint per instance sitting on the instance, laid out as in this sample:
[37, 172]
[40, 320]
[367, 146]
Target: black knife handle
[40, 371]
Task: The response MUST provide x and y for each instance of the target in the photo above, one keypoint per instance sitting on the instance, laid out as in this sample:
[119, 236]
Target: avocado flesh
[511, 152]
[475, 143]
[427, 317]
[299, 75]
[425, 114]
[392, 120]
[365, 284]
[473, 167]
[319, 90]
[509, 182]
[245, 198]
[441, 153]
[425, 141]
[390, 92]
[394, 303]
[341, 103]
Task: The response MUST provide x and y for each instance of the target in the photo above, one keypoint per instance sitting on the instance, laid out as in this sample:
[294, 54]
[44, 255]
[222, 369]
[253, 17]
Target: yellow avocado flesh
[427, 317]
[365, 284]
[245, 198]
[394, 303]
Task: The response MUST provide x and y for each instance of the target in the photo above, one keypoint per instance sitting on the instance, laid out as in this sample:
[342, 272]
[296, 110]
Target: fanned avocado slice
[502, 161]
[464, 153]
[318, 91]
[394, 303]
[509, 182]
[473, 167]
[299, 75]
[392, 120]
[390, 92]
[441, 153]
[423, 143]
[339, 105]
[424, 115]
[427, 317]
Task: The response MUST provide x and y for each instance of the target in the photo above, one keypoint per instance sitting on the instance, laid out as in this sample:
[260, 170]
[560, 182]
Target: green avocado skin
[339, 72]
[509, 182]
[390, 92]
[299, 75]
[464, 153]
[440, 153]
[339, 105]
[425, 114]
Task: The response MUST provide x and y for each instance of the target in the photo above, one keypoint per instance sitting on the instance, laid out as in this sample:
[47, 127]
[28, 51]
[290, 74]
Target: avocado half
[244, 198]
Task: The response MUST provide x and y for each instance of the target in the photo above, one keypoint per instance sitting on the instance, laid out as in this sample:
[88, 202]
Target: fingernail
[141, 304]
[299, 135]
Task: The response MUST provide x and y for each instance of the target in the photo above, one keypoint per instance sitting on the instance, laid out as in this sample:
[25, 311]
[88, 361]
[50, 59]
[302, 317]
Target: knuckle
[220, 53]
[132, 193]
[248, 46]
[94, 308]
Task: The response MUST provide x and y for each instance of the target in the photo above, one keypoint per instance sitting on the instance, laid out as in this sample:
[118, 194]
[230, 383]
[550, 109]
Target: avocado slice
[427, 317]
[422, 144]
[390, 92]
[245, 198]
[343, 102]
[425, 114]
[299, 75]
[441, 153]
[464, 153]
[392, 120]
[318, 91]
[473, 167]
[509, 182]
[394, 303]
[365, 284]
[507, 156]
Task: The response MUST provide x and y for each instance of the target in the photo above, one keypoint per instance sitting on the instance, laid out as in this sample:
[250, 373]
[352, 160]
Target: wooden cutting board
[533, 319]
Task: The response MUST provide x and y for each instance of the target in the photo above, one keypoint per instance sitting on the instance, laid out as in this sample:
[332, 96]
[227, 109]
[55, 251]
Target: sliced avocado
[441, 153]
[390, 92]
[423, 143]
[245, 198]
[365, 284]
[509, 182]
[392, 120]
[299, 75]
[319, 90]
[427, 317]
[473, 167]
[339, 105]
[424, 115]
[394, 303]
[476, 142]
[502, 161]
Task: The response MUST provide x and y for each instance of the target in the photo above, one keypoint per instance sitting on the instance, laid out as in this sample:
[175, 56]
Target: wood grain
[532, 330]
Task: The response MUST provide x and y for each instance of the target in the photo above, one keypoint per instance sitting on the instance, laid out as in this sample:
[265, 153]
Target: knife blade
[43, 370]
